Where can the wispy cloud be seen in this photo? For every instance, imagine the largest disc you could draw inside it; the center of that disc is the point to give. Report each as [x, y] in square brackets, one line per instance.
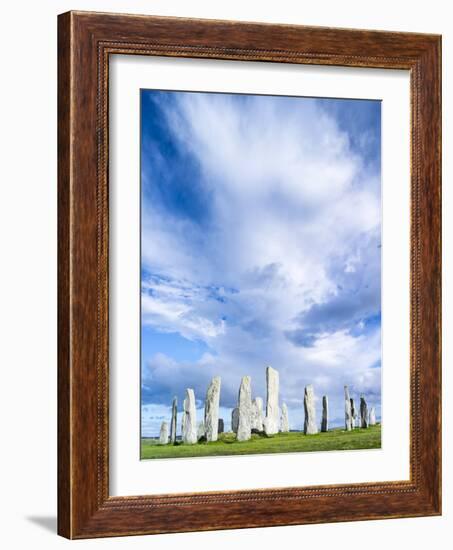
[176, 306]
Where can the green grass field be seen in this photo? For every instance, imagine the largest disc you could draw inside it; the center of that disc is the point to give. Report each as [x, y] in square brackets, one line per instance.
[293, 442]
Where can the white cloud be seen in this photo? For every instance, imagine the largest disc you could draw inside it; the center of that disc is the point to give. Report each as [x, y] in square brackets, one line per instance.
[173, 308]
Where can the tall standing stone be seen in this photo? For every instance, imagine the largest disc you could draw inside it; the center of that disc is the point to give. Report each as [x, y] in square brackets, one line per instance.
[174, 415]
[353, 414]
[325, 414]
[372, 416]
[310, 413]
[348, 420]
[211, 409]
[257, 414]
[221, 426]
[183, 418]
[284, 419]
[363, 413]
[272, 416]
[190, 422]
[163, 436]
[235, 420]
[245, 410]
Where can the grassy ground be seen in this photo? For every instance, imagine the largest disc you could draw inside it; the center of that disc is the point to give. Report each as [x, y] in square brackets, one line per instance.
[280, 443]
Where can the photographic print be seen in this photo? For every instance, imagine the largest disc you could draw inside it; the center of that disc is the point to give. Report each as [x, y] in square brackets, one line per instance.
[260, 274]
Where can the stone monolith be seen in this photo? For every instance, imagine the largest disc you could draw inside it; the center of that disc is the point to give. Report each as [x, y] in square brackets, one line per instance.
[363, 413]
[235, 420]
[190, 422]
[211, 409]
[309, 409]
[221, 426]
[284, 419]
[183, 418]
[163, 436]
[372, 416]
[272, 415]
[325, 414]
[174, 415]
[353, 414]
[348, 420]
[257, 414]
[245, 410]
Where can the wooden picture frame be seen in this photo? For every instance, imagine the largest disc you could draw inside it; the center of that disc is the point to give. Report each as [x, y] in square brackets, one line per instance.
[85, 42]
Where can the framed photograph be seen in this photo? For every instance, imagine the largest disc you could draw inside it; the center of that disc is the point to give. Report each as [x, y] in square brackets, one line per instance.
[249, 275]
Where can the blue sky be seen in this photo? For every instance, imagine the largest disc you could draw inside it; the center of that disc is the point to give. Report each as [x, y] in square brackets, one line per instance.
[261, 245]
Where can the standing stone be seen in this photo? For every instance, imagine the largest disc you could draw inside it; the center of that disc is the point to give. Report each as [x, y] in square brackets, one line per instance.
[174, 414]
[284, 420]
[235, 420]
[190, 422]
[183, 418]
[272, 417]
[372, 416]
[211, 409]
[257, 414]
[163, 436]
[221, 426]
[310, 413]
[348, 420]
[201, 432]
[245, 410]
[363, 413]
[325, 414]
[353, 414]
